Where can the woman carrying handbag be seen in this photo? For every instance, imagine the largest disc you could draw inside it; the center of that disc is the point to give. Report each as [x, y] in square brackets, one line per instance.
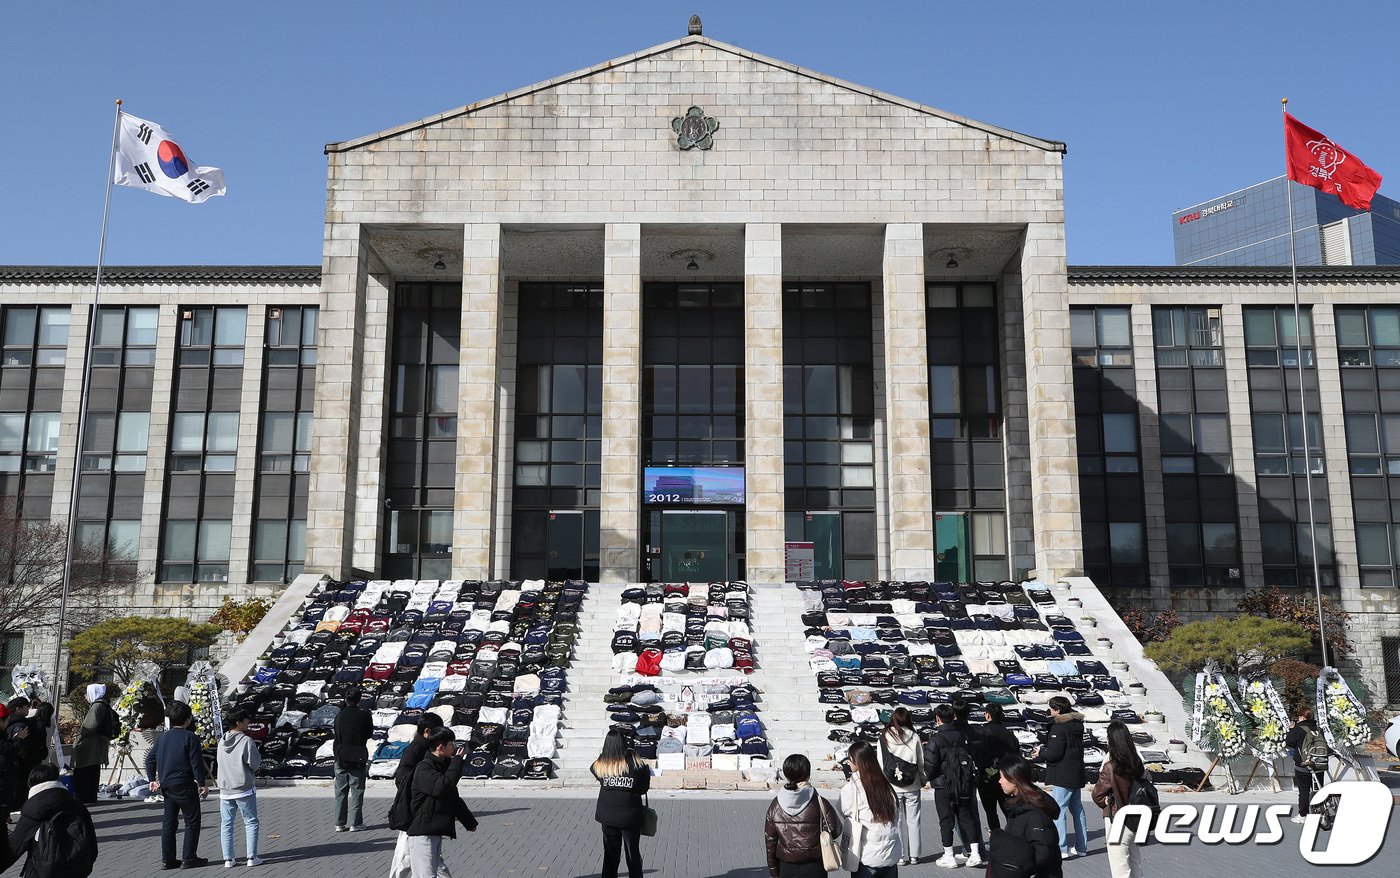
[873, 847]
[801, 831]
[622, 781]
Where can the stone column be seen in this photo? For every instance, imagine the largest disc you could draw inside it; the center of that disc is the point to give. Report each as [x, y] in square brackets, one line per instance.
[1242, 445]
[910, 486]
[73, 367]
[373, 407]
[506, 358]
[245, 474]
[475, 506]
[158, 438]
[763, 402]
[335, 427]
[878, 364]
[1334, 450]
[1020, 522]
[620, 499]
[1059, 547]
[1150, 450]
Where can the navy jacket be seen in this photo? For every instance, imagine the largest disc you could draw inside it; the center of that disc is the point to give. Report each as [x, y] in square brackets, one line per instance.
[177, 760]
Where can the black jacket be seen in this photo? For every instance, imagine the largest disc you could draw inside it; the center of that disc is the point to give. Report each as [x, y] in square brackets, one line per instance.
[1064, 752]
[620, 797]
[177, 760]
[436, 807]
[409, 759]
[353, 727]
[12, 772]
[997, 742]
[38, 810]
[1028, 844]
[943, 737]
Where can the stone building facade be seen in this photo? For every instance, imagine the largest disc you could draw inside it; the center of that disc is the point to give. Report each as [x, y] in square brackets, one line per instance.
[691, 313]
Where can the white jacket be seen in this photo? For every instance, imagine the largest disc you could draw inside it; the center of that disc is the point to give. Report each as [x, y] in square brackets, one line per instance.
[874, 844]
[907, 747]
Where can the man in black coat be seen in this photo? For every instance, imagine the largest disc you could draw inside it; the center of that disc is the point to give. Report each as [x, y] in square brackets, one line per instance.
[997, 743]
[400, 813]
[176, 768]
[434, 805]
[354, 726]
[13, 748]
[939, 752]
[1063, 754]
[49, 799]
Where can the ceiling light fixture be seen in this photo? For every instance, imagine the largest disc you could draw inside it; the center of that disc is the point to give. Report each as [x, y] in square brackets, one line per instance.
[952, 262]
[440, 265]
[692, 265]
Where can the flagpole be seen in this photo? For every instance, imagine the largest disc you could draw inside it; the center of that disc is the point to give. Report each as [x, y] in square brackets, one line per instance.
[1303, 397]
[69, 550]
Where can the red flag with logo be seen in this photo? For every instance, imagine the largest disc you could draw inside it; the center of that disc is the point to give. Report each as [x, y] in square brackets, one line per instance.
[1317, 161]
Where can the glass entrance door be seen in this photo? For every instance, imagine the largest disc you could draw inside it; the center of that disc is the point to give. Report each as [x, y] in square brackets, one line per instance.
[564, 545]
[823, 531]
[950, 547]
[694, 545]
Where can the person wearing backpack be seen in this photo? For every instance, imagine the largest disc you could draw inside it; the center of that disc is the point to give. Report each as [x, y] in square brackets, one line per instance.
[953, 772]
[622, 781]
[1121, 772]
[873, 847]
[176, 768]
[94, 739]
[1310, 757]
[997, 743]
[435, 805]
[794, 823]
[1063, 754]
[353, 728]
[54, 829]
[1029, 845]
[238, 760]
[399, 813]
[902, 758]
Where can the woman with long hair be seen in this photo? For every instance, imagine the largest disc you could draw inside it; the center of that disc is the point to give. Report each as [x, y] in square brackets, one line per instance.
[1029, 845]
[902, 758]
[1111, 791]
[868, 801]
[793, 826]
[622, 780]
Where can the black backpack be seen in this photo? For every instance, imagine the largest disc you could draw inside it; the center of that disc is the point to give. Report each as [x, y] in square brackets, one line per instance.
[900, 772]
[1144, 792]
[63, 848]
[959, 769]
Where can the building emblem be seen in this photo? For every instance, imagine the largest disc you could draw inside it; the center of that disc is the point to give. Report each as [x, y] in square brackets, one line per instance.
[1327, 156]
[695, 130]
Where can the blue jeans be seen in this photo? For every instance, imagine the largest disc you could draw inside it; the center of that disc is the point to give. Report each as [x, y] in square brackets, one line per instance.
[1071, 805]
[247, 808]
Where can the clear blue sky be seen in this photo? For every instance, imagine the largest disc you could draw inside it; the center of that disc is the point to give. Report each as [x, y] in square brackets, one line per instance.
[1162, 104]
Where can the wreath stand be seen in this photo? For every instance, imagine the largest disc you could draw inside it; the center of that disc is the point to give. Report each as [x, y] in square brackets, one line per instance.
[1232, 785]
[1270, 768]
[123, 756]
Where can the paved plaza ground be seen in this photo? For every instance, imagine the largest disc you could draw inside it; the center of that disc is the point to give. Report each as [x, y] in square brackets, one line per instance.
[551, 834]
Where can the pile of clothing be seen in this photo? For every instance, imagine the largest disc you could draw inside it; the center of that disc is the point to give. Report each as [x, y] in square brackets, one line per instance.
[674, 627]
[693, 724]
[490, 658]
[875, 646]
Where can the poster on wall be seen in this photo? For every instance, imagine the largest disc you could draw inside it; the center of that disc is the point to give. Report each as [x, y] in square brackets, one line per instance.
[693, 485]
[801, 560]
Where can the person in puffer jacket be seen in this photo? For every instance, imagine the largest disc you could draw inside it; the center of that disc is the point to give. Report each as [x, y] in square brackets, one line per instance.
[238, 760]
[1064, 772]
[868, 801]
[1028, 846]
[900, 748]
[793, 826]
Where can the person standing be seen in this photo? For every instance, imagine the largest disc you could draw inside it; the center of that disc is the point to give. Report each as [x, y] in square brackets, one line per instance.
[13, 746]
[997, 743]
[90, 748]
[1112, 791]
[1310, 756]
[399, 812]
[622, 781]
[792, 828]
[1028, 846]
[238, 760]
[902, 758]
[1064, 772]
[51, 805]
[953, 773]
[868, 802]
[353, 727]
[435, 806]
[175, 766]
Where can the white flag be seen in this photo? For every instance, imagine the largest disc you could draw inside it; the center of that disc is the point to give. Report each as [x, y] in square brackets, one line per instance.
[149, 158]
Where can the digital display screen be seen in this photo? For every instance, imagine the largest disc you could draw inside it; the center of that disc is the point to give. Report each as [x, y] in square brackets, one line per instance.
[693, 485]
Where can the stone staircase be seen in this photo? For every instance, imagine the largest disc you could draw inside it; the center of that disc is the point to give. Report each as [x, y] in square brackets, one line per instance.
[590, 676]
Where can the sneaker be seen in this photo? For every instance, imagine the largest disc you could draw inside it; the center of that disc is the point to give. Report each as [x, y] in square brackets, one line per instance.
[255, 861]
[170, 864]
[196, 863]
[357, 829]
[1298, 818]
[947, 861]
[903, 861]
[341, 828]
[975, 858]
[1069, 854]
[229, 864]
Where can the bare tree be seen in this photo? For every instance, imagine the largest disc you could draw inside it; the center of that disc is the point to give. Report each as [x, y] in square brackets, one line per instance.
[32, 556]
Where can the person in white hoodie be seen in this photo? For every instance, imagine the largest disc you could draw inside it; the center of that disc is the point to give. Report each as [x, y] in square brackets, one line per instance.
[868, 802]
[902, 758]
[238, 760]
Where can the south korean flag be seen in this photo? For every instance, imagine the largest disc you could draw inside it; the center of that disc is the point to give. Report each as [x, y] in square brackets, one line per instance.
[149, 158]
